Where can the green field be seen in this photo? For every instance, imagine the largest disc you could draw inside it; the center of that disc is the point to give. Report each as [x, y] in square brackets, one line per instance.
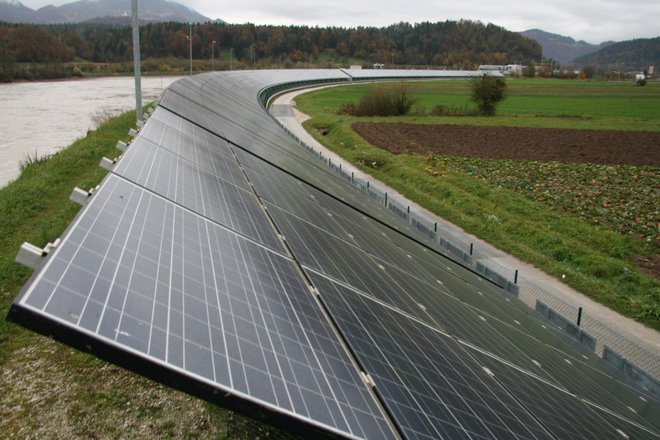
[595, 105]
[596, 224]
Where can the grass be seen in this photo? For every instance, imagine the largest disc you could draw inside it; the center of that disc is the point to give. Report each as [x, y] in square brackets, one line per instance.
[564, 219]
[50, 390]
[590, 105]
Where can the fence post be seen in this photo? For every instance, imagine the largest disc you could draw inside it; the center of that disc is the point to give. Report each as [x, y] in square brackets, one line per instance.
[579, 319]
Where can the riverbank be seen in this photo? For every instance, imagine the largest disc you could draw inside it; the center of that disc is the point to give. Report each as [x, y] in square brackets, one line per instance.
[40, 118]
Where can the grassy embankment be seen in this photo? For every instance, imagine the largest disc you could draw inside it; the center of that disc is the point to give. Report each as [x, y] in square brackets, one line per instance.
[49, 390]
[597, 224]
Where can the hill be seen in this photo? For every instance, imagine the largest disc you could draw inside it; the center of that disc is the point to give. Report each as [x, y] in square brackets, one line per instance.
[630, 55]
[456, 44]
[561, 48]
[13, 11]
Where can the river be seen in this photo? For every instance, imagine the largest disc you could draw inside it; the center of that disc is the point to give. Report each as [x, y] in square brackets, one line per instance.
[43, 117]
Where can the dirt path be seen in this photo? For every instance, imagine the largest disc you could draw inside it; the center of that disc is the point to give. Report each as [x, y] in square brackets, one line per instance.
[542, 144]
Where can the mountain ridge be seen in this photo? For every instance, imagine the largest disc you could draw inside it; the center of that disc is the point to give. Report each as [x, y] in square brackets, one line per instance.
[637, 54]
[562, 48]
[13, 11]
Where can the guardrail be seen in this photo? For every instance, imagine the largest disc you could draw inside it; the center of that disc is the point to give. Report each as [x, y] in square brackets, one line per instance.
[632, 358]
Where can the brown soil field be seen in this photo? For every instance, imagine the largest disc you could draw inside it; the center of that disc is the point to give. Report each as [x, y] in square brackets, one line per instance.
[539, 144]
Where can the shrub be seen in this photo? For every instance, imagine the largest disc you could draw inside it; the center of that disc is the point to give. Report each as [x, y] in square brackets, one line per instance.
[487, 92]
[381, 101]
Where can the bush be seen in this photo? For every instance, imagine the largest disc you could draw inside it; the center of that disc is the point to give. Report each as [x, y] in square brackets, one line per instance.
[381, 101]
[487, 92]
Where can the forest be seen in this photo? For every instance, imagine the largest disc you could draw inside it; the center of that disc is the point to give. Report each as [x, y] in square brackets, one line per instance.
[460, 44]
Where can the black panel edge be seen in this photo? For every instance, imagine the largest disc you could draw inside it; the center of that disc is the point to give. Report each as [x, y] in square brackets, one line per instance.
[134, 363]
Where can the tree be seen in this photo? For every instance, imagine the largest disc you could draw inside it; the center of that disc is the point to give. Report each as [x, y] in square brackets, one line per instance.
[487, 92]
[588, 71]
[529, 71]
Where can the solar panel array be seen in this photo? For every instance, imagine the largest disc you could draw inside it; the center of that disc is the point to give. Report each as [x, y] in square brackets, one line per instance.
[221, 259]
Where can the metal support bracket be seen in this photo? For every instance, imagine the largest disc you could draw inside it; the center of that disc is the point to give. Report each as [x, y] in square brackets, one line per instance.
[108, 164]
[32, 256]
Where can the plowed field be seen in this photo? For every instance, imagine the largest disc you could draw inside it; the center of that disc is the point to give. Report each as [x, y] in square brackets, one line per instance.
[540, 144]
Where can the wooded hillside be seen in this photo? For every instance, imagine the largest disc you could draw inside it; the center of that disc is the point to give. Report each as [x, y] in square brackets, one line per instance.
[628, 55]
[456, 44]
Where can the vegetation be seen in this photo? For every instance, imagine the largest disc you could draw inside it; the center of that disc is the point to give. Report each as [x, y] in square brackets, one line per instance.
[627, 55]
[381, 101]
[74, 394]
[487, 92]
[463, 44]
[564, 219]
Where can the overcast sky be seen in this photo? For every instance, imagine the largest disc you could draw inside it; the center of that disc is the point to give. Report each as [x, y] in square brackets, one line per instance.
[594, 21]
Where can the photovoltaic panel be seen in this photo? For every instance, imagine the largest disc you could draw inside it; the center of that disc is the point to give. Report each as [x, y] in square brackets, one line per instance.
[140, 274]
[221, 258]
[433, 388]
[196, 145]
[565, 414]
[279, 187]
[208, 194]
[326, 248]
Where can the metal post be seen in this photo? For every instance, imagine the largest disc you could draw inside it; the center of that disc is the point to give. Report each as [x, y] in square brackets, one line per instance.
[190, 46]
[231, 52]
[515, 277]
[213, 56]
[579, 320]
[471, 248]
[136, 61]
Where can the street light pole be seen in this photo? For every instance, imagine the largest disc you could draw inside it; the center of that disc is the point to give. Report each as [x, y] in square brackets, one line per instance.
[190, 47]
[213, 55]
[136, 61]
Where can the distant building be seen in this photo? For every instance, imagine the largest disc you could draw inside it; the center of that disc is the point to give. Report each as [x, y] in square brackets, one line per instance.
[379, 66]
[355, 67]
[509, 69]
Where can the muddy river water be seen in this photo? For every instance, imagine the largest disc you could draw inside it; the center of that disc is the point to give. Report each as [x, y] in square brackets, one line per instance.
[43, 117]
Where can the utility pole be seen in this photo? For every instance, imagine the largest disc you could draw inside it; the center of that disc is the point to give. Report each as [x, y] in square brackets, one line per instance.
[190, 48]
[213, 55]
[136, 61]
